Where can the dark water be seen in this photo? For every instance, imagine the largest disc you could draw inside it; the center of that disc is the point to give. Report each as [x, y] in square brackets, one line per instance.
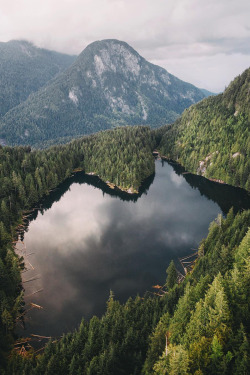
[88, 239]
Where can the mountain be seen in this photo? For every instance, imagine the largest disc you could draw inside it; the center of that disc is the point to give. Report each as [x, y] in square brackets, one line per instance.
[207, 93]
[109, 84]
[212, 137]
[25, 68]
[198, 322]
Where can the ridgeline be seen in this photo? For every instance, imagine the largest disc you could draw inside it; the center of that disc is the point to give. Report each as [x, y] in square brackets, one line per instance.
[212, 137]
[200, 325]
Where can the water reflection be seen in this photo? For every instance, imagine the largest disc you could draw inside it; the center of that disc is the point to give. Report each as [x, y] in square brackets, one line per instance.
[225, 196]
[86, 242]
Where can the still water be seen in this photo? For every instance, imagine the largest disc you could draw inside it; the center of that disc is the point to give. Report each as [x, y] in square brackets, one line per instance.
[86, 240]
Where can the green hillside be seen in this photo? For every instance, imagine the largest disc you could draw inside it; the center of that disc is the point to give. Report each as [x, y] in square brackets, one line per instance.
[200, 324]
[24, 69]
[205, 320]
[212, 138]
[26, 176]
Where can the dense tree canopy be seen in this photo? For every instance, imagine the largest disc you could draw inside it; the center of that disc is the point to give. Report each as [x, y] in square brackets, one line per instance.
[24, 69]
[212, 137]
[199, 325]
[122, 156]
[204, 319]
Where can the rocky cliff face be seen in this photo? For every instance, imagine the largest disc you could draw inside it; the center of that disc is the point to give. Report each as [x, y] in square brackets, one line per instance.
[133, 86]
[109, 84]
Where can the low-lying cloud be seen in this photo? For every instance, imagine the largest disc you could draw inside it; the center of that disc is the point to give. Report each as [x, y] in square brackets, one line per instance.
[162, 31]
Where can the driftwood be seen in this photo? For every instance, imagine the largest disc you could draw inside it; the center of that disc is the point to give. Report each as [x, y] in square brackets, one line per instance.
[39, 350]
[157, 286]
[30, 264]
[187, 265]
[32, 279]
[22, 341]
[161, 290]
[37, 291]
[40, 337]
[180, 277]
[35, 306]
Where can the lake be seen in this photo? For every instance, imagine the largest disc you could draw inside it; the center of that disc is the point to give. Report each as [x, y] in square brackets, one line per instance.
[86, 239]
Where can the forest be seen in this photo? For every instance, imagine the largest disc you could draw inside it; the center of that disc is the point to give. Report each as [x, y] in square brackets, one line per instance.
[26, 176]
[204, 318]
[211, 138]
[199, 324]
[24, 69]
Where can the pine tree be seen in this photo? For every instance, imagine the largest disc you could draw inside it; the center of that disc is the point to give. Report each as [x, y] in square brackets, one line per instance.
[171, 275]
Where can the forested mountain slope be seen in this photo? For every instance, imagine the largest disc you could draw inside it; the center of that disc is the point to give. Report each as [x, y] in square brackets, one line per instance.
[212, 138]
[205, 317]
[26, 176]
[25, 68]
[208, 332]
[205, 320]
[109, 84]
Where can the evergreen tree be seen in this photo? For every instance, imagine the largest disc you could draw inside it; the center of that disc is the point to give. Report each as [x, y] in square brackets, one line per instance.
[171, 275]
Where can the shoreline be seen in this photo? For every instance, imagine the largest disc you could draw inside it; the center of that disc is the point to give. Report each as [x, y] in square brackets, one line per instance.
[218, 181]
[113, 186]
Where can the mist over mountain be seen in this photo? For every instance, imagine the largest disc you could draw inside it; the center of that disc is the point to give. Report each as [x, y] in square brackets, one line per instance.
[25, 68]
[108, 85]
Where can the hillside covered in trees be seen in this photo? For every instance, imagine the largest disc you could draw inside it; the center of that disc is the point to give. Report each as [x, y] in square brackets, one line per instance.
[212, 137]
[24, 69]
[205, 318]
[26, 176]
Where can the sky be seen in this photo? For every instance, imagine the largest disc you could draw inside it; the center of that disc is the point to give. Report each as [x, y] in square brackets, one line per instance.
[206, 43]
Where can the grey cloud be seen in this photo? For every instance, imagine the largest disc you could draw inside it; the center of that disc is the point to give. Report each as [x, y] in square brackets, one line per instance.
[159, 30]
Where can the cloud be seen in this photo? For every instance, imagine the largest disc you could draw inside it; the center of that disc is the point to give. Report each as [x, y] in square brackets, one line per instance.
[160, 30]
[213, 73]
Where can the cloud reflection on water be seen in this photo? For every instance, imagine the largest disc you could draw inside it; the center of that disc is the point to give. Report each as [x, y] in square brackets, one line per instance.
[87, 244]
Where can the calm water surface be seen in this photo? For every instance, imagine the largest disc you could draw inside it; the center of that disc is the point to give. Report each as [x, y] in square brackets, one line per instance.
[86, 242]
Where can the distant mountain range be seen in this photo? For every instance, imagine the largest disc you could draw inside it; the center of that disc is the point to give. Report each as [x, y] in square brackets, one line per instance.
[208, 93]
[109, 84]
[25, 68]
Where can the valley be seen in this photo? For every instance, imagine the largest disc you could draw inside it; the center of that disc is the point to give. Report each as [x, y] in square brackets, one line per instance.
[105, 220]
[96, 242]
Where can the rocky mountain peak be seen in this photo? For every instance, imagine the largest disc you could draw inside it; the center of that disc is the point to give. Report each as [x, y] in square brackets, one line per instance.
[109, 84]
[117, 57]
